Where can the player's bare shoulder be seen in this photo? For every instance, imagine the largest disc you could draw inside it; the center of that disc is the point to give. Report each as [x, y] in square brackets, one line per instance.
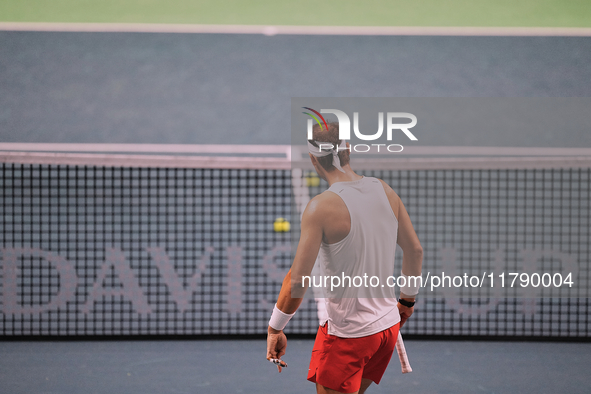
[326, 204]
[393, 197]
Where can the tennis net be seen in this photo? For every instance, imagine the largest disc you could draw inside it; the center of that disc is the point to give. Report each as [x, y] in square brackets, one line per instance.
[104, 243]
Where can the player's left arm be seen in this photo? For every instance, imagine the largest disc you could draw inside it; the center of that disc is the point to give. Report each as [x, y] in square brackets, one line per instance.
[294, 286]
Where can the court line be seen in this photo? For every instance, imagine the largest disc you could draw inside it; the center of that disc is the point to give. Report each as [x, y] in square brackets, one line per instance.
[298, 30]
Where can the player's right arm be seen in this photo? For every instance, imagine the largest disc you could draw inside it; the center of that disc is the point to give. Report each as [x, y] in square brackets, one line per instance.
[407, 237]
[412, 257]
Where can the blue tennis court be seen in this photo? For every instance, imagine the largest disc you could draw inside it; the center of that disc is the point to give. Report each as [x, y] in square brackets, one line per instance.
[239, 366]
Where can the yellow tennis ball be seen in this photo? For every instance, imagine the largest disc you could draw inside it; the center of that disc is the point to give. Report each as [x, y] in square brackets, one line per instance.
[281, 225]
[312, 180]
[286, 226]
[278, 225]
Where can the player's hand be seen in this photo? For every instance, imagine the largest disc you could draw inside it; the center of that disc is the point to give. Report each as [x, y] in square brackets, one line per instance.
[276, 345]
[405, 313]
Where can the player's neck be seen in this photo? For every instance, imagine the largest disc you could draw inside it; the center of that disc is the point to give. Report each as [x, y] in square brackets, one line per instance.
[338, 176]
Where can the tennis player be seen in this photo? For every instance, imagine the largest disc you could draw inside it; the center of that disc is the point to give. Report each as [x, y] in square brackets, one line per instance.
[352, 228]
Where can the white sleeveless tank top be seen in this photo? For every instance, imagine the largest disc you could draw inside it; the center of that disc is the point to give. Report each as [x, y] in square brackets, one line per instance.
[368, 250]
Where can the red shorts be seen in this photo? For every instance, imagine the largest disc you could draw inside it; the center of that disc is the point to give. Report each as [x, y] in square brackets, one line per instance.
[340, 363]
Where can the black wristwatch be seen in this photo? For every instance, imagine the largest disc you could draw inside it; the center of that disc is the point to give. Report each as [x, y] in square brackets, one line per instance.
[408, 304]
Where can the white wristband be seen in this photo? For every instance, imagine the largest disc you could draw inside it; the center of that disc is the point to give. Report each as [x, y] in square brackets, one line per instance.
[279, 319]
[411, 286]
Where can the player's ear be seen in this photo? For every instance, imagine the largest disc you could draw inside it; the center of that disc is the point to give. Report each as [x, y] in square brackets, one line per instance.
[314, 160]
[317, 166]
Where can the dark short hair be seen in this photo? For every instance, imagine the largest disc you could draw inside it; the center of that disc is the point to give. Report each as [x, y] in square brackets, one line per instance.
[330, 136]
